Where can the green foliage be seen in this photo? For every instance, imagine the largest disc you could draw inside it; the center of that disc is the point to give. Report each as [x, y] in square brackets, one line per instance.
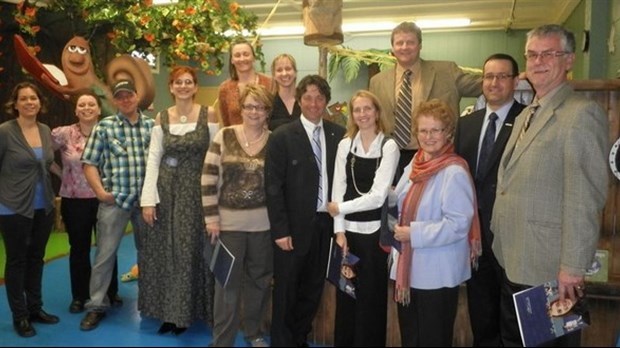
[349, 61]
[196, 30]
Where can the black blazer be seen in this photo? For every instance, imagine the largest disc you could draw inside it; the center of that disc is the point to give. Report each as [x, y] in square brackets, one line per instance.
[466, 141]
[292, 180]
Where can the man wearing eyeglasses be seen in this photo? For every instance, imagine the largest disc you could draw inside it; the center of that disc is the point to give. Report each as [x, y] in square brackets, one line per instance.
[480, 138]
[551, 184]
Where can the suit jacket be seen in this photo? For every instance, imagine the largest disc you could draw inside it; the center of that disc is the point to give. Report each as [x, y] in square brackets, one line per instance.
[466, 140]
[292, 180]
[440, 79]
[551, 190]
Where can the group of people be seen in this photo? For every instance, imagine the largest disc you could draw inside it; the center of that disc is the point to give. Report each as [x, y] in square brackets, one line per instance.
[502, 199]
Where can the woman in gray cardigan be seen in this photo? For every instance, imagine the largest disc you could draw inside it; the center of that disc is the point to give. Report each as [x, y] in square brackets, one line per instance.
[26, 205]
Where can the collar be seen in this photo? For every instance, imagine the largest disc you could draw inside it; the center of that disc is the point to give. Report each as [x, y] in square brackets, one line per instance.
[501, 112]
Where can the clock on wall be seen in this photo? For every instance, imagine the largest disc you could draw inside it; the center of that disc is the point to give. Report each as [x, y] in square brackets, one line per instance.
[585, 41]
[614, 159]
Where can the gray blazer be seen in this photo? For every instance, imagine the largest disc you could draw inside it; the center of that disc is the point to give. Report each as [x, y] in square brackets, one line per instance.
[551, 190]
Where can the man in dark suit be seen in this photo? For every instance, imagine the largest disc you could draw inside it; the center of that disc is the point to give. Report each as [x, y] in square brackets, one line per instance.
[428, 79]
[299, 167]
[500, 78]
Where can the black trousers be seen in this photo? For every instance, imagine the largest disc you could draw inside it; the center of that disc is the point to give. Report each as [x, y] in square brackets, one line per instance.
[483, 300]
[80, 218]
[25, 240]
[428, 321]
[361, 322]
[511, 337]
[298, 281]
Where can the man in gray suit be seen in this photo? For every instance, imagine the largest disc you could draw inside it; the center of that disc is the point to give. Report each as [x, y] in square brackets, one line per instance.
[551, 185]
[428, 79]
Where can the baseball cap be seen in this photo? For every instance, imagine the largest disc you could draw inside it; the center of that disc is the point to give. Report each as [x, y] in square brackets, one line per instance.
[123, 85]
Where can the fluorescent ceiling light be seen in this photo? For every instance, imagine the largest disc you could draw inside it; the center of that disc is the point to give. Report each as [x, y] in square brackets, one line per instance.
[361, 27]
[443, 23]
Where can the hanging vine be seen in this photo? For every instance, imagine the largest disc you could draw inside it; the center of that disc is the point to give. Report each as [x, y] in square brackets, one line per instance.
[349, 61]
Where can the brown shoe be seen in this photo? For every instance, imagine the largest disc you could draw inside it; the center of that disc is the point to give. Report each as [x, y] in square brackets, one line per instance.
[91, 320]
[42, 317]
[24, 328]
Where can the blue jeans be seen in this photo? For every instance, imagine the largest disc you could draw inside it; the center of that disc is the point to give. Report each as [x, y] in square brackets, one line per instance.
[111, 224]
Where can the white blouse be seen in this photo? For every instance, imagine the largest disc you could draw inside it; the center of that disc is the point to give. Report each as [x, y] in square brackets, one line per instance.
[150, 196]
[382, 182]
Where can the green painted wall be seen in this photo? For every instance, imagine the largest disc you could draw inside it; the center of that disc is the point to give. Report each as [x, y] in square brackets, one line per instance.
[468, 49]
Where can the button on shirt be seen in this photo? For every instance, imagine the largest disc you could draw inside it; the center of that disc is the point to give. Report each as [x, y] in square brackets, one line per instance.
[119, 150]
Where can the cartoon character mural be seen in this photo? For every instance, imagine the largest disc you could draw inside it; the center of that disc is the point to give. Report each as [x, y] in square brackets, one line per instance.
[78, 72]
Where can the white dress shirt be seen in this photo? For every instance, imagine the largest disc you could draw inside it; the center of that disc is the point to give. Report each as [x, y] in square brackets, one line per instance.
[374, 198]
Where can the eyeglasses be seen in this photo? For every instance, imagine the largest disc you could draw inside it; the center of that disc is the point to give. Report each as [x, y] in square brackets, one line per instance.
[546, 55]
[363, 109]
[499, 77]
[430, 132]
[181, 82]
[250, 107]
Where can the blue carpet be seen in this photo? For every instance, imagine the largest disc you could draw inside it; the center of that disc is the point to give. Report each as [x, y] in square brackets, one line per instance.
[122, 327]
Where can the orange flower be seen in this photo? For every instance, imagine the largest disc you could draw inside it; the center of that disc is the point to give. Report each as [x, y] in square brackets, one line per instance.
[179, 39]
[147, 2]
[190, 11]
[149, 37]
[233, 7]
[31, 11]
[34, 50]
[144, 20]
[215, 4]
[35, 29]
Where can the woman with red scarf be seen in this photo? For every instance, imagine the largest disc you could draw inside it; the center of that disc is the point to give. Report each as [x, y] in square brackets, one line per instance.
[438, 228]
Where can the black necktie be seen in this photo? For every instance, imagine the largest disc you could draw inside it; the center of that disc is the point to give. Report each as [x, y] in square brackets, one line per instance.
[487, 146]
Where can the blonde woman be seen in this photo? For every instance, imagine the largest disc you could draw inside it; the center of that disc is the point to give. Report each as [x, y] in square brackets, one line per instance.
[285, 106]
[233, 198]
[365, 164]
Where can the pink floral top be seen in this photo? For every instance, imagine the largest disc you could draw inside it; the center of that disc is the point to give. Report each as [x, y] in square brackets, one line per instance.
[70, 141]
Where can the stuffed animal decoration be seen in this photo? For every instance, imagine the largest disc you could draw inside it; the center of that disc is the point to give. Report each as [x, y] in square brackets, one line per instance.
[78, 72]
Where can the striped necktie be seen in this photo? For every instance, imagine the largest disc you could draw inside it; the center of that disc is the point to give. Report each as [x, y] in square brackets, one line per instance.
[528, 120]
[316, 148]
[402, 125]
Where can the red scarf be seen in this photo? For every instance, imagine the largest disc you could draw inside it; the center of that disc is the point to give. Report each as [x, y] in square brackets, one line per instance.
[421, 172]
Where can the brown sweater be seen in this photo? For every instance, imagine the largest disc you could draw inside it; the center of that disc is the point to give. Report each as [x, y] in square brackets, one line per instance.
[230, 109]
